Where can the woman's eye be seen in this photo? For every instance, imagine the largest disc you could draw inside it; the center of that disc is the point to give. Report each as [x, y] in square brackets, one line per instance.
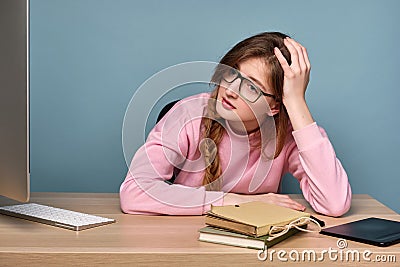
[253, 88]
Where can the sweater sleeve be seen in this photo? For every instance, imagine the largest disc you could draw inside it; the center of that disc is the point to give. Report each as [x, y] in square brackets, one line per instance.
[144, 190]
[323, 180]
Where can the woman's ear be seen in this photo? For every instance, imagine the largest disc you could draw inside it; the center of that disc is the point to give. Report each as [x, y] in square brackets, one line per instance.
[275, 106]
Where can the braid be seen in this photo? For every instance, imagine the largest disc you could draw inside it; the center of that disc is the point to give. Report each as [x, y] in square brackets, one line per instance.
[212, 134]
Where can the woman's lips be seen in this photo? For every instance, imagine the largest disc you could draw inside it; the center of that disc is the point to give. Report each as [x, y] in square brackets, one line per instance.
[226, 104]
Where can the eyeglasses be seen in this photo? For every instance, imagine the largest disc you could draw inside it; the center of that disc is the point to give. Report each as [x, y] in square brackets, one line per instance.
[247, 89]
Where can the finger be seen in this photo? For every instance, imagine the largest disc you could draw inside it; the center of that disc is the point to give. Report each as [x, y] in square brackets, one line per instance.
[282, 60]
[303, 52]
[301, 57]
[307, 60]
[295, 204]
[286, 201]
[291, 205]
[293, 53]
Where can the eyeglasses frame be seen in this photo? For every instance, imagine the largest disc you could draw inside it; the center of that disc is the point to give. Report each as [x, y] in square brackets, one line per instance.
[240, 76]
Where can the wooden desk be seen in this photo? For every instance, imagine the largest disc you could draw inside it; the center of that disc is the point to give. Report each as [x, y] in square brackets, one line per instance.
[159, 240]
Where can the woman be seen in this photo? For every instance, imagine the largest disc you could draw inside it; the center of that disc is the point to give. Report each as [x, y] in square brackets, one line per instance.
[233, 145]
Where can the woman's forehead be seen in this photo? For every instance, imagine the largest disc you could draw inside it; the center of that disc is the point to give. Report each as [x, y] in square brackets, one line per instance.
[255, 69]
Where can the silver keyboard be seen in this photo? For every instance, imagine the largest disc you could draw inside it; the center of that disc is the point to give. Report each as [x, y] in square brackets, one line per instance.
[55, 216]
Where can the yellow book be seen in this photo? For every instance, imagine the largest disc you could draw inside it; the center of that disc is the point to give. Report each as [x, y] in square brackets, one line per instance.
[252, 218]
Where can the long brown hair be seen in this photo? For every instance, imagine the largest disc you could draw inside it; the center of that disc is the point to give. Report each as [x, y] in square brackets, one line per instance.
[258, 46]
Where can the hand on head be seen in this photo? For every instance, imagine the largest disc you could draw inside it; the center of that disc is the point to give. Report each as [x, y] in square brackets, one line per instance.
[297, 74]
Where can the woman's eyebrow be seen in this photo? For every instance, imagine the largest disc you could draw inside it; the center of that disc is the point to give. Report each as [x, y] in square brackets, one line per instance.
[258, 83]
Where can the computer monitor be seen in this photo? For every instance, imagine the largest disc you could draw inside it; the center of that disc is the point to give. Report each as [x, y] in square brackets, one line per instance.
[14, 99]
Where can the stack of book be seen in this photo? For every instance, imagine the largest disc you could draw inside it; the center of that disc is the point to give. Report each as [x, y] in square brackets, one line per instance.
[249, 224]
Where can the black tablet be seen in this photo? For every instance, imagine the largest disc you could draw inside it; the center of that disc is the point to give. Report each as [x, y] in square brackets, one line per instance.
[374, 231]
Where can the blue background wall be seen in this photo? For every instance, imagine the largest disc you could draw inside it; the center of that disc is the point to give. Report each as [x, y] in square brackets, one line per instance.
[89, 56]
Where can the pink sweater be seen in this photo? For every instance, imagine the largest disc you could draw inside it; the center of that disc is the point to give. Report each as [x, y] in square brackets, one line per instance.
[173, 145]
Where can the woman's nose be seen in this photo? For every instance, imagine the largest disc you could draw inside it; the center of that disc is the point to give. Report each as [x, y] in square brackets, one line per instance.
[233, 89]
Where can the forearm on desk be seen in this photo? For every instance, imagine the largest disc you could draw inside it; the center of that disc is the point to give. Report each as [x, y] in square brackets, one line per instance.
[322, 178]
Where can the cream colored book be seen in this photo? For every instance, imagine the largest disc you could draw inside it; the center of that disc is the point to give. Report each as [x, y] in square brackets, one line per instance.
[252, 218]
[225, 237]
